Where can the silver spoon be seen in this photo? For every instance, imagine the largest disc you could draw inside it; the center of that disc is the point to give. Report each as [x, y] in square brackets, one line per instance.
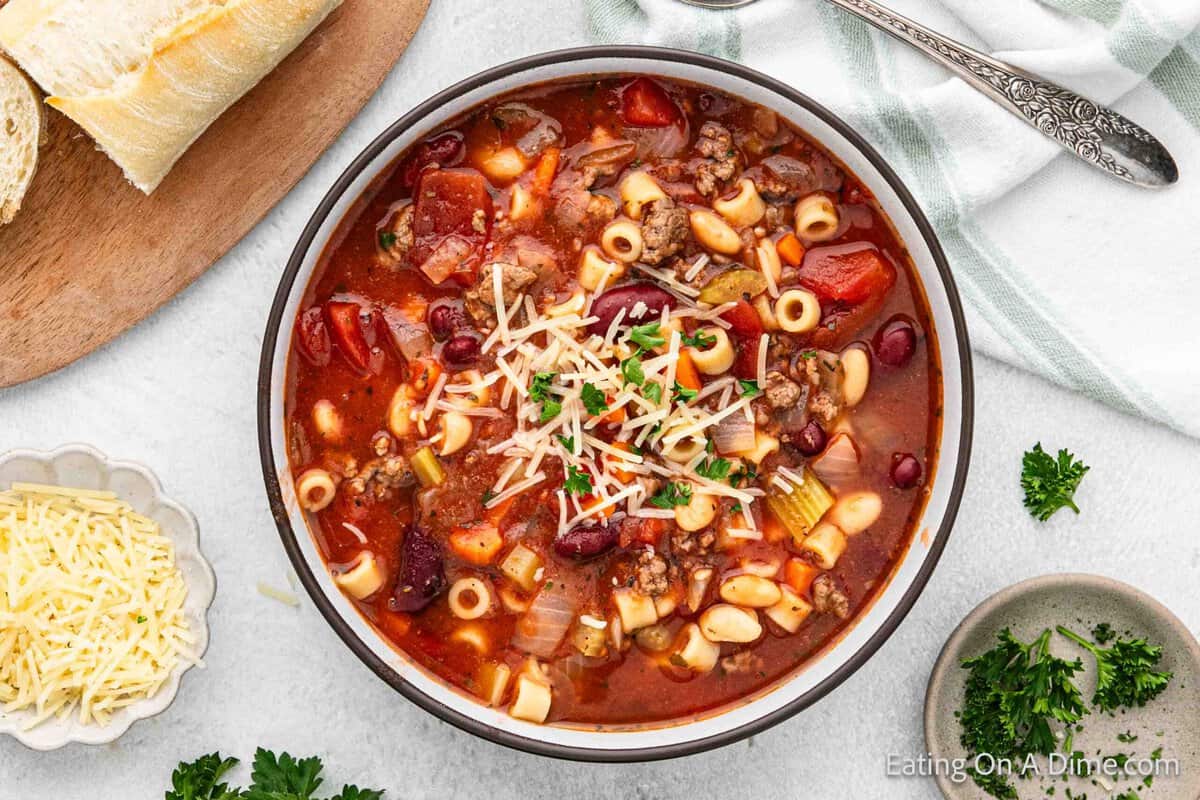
[1098, 135]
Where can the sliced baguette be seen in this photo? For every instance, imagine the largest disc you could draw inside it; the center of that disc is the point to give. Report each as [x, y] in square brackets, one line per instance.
[146, 91]
[20, 134]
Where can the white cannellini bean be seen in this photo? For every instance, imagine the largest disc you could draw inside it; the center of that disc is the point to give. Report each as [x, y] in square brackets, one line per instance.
[750, 591]
[726, 623]
[856, 369]
[326, 418]
[857, 511]
[714, 233]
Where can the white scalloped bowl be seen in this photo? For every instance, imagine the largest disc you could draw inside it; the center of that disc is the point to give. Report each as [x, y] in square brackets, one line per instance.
[80, 466]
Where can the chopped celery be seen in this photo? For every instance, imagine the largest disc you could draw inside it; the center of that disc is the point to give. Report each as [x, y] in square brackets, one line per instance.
[427, 468]
[733, 285]
[800, 509]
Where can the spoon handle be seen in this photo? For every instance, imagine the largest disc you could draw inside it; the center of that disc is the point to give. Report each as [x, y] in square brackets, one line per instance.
[1098, 135]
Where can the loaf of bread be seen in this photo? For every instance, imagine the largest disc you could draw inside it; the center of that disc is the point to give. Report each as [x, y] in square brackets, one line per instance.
[146, 77]
[20, 134]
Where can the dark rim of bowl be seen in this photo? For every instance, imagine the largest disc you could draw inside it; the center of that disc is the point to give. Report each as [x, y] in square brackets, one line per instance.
[266, 401]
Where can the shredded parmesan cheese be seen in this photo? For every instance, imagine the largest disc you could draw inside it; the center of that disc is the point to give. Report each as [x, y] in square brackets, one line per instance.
[91, 604]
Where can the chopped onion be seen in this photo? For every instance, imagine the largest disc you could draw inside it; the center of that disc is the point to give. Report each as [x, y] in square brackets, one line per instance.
[543, 626]
[734, 434]
[413, 341]
[839, 463]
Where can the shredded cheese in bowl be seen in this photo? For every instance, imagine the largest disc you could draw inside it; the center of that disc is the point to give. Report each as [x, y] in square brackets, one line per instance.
[91, 605]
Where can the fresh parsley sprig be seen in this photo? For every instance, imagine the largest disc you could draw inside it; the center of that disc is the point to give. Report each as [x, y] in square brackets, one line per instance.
[1125, 674]
[700, 340]
[578, 482]
[646, 337]
[539, 392]
[671, 495]
[594, 400]
[272, 778]
[1050, 483]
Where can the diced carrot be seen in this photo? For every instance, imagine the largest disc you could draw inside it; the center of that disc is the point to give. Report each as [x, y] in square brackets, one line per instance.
[588, 502]
[543, 174]
[773, 529]
[622, 475]
[799, 575]
[423, 374]
[686, 374]
[790, 249]
[495, 515]
[477, 544]
[616, 416]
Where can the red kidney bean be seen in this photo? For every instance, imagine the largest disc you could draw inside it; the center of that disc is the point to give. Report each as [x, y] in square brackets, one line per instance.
[446, 319]
[444, 150]
[906, 470]
[461, 351]
[811, 439]
[586, 540]
[609, 304]
[422, 574]
[896, 341]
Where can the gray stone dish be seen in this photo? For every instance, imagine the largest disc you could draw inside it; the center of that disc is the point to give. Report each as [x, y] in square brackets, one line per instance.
[1079, 602]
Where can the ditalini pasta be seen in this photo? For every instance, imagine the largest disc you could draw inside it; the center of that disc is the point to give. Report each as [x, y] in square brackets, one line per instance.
[91, 604]
[583, 407]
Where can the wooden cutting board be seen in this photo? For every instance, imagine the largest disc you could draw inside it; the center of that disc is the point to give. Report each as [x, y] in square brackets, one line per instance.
[88, 256]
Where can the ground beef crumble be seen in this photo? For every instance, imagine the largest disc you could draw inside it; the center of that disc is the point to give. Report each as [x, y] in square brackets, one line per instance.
[716, 145]
[665, 228]
[827, 599]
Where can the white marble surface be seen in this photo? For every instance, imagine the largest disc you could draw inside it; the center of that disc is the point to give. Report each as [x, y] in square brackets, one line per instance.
[178, 393]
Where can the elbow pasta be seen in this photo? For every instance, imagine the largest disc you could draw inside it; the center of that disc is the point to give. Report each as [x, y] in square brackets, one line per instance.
[714, 233]
[315, 489]
[596, 272]
[826, 543]
[798, 311]
[456, 429]
[718, 357]
[362, 580]
[699, 512]
[766, 313]
[817, 218]
[767, 257]
[637, 190]
[622, 241]
[470, 598]
[745, 208]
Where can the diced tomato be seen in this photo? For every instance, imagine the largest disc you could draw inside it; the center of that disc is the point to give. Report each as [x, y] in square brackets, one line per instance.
[477, 544]
[444, 150]
[452, 219]
[646, 104]
[641, 531]
[746, 327]
[312, 336]
[849, 274]
[346, 325]
[744, 321]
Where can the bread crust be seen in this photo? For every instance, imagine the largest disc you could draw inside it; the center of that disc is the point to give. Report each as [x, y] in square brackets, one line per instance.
[29, 134]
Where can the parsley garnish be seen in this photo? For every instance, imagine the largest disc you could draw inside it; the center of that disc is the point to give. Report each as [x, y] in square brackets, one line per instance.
[272, 778]
[568, 442]
[631, 371]
[682, 394]
[652, 391]
[744, 474]
[141, 620]
[1050, 483]
[487, 496]
[539, 392]
[699, 340]
[715, 469]
[594, 400]
[577, 482]
[1125, 673]
[671, 495]
[646, 337]
[749, 388]
[387, 239]
[1013, 694]
[1103, 633]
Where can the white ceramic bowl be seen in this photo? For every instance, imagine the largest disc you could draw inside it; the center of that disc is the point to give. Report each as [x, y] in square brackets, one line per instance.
[79, 466]
[815, 678]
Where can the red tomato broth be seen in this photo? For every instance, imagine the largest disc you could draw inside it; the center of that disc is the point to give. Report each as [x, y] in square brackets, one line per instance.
[901, 412]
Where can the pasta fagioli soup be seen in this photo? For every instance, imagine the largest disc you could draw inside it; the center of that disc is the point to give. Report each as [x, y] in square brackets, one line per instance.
[614, 401]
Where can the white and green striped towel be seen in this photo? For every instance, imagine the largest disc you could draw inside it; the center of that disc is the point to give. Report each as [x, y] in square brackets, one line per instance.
[1082, 279]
